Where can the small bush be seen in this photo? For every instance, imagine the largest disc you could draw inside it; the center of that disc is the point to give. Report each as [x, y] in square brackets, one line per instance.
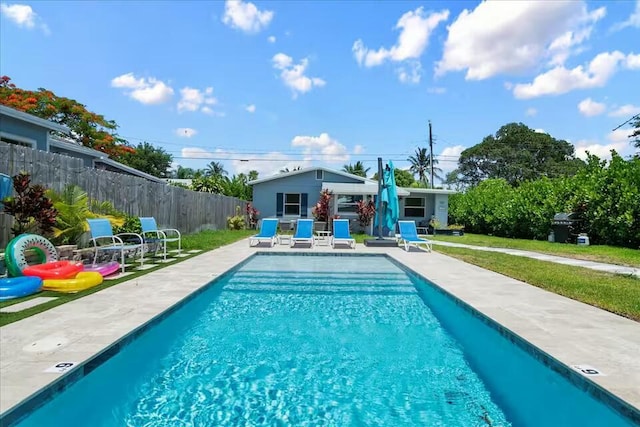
[236, 222]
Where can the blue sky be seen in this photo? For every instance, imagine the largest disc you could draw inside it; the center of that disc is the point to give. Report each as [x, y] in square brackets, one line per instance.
[285, 84]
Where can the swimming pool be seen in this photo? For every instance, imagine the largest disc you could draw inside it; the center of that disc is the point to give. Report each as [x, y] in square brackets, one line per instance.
[323, 340]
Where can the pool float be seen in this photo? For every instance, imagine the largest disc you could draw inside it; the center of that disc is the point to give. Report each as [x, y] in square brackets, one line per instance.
[15, 254]
[16, 287]
[82, 281]
[54, 270]
[104, 269]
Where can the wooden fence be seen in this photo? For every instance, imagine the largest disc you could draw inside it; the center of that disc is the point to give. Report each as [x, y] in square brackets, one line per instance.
[173, 207]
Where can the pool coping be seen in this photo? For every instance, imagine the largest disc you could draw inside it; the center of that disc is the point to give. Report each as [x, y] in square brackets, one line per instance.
[41, 395]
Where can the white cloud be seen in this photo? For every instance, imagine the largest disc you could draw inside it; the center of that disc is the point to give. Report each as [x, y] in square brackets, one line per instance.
[271, 39]
[531, 112]
[540, 130]
[561, 80]
[147, 91]
[448, 158]
[23, 16]
[514, 36]
[415, 28]
[358, 149]
[617, 140]
[245, 16]
[589, 108]
[437, 90]
[411, 73]
[292, 75]
[632, 21]
[322, 148]
[266, 164]
[251, 108]
[627, 110]
[192, 99]
[211, 112]
[186, 132]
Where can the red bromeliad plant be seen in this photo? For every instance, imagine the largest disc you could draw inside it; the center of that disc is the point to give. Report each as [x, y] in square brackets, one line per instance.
[321, 210]
[30, 208]
[252, 215]
[366, 210]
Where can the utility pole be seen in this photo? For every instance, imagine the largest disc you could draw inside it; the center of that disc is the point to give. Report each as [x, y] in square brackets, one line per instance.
[431, 151]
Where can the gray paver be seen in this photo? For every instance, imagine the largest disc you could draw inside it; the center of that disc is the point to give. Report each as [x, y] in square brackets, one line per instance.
[570, 331]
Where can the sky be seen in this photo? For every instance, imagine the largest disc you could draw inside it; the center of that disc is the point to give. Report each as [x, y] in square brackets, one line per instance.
[268, 85]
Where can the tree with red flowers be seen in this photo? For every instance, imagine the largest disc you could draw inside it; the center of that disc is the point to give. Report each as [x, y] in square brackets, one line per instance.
[87, 128]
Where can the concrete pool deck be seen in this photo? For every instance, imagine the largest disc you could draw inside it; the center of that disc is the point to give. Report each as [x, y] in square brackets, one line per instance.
[572, 332]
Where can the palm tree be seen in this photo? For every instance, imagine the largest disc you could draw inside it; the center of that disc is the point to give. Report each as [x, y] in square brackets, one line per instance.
[215, 169]
[421, 166]
[184, 173]
[356, 169]
[253, 175]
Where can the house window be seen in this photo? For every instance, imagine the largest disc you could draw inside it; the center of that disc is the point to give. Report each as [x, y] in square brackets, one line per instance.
[414, 207]
[292, 204]
[348, 203]
[319, 174]
[17, 140]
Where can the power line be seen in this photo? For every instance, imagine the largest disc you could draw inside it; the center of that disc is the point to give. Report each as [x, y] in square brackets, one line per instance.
[619, 126]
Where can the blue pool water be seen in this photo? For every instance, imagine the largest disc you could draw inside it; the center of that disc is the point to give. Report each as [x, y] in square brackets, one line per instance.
[322, 341]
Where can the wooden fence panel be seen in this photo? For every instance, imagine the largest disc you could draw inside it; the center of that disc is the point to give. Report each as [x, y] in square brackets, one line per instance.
[173, 207]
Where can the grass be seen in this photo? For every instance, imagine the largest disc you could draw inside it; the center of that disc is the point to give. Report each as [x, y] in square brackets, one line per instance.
[205, 240]
[618, 294]
[599, 253]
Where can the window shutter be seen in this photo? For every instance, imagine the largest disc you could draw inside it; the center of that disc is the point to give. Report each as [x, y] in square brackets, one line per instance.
[279, 204]
[303, 205]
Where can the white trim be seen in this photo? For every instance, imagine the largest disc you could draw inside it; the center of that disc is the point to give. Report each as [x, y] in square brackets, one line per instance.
[310, 169]
[10, 136]
[423, 207]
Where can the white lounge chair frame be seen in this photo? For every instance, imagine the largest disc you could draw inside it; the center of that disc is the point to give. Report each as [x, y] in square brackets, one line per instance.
[412, 239]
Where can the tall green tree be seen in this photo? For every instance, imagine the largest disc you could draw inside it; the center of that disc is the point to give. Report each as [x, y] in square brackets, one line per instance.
[253, 175]
[517, 153]
[403, 178]
[87, 128]
[184, 173]
[421, 166]
[635, 135]
[356, 169]
[147, 158]
[215, 169]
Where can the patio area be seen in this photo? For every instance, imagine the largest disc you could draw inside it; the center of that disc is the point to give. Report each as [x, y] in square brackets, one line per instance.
[569, 331]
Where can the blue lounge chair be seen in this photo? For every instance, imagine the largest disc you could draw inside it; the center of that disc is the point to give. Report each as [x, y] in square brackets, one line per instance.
[409, 236]
[341, 233]
[151, 234]
[304, 232]
[268, 230]
[103, 239]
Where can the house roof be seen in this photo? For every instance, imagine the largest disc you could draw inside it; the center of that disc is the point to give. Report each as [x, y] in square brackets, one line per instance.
[429, 190]
[351, 189]
[35, 120]
[73, 146]
[129, 169]
[100, 157]
[305, 170]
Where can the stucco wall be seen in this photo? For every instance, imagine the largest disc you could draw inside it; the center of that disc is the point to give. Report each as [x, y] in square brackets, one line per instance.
[264, 194]
[24, 129]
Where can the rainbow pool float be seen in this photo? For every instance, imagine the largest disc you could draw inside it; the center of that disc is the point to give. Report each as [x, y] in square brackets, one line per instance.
[54, 275]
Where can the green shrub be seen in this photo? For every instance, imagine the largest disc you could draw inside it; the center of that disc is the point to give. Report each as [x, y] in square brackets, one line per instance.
[236, 222]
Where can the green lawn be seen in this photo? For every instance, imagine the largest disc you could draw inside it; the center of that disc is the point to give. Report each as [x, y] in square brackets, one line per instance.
[599, 253]
[205, 240]
[615, 293]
